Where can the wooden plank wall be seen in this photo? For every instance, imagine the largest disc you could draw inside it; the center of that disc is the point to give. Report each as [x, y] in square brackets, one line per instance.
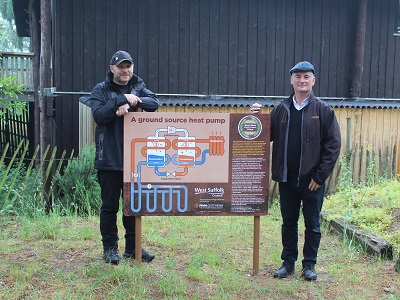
[381, 74]
[87, 127]
[219, 47]
[370, 138]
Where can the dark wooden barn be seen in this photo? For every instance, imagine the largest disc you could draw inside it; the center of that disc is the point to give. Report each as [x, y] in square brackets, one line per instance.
[207, 49]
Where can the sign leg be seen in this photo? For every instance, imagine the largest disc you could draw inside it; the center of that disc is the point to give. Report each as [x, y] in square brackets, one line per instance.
[256, 246]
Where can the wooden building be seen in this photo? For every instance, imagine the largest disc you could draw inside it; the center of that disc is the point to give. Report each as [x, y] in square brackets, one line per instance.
[225, 54]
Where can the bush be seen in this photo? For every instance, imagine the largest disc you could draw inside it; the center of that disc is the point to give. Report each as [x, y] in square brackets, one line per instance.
[19, 193]
[9, 90]
[20, 185]
[78, 188]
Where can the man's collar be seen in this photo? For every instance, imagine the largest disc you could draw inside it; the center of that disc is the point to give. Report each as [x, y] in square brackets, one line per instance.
[303, 103]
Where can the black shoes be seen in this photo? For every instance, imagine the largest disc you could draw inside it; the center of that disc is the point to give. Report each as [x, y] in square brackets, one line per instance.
[146, 256]
[111, 256]
[309, 273]
[284, 271]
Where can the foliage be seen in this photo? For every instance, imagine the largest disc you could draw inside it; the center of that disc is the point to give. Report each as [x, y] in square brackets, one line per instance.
[20, 185]
[22, 196]
[75, 189]
[79, 190]
[9, 86]
[9, 90]
[6, 10]
[370, 207]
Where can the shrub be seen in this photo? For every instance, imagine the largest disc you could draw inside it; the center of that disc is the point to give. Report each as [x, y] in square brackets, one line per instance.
[78, 188]
[20, 185]
[23, 197]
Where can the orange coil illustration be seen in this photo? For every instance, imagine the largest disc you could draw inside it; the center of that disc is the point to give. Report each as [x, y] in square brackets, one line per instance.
[216, 144]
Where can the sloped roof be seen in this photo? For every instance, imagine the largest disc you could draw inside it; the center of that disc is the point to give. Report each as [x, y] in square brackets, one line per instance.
[246, 101]
[21, 16]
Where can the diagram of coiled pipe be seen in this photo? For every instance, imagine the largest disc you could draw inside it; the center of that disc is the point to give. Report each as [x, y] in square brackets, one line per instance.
[154, 152]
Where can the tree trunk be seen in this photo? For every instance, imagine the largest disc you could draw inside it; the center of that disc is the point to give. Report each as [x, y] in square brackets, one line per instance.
[45, 82]
[35, 48]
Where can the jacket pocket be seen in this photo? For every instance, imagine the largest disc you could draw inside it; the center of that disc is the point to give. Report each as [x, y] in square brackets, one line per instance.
[311, 130]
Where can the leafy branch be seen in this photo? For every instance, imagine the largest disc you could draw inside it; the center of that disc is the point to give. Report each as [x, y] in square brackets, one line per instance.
[9, 90]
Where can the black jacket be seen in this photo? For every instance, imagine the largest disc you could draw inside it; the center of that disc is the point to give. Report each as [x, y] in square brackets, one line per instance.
[104, 100]
[320, 140]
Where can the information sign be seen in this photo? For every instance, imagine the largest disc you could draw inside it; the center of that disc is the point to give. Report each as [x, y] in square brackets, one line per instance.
[196, 164]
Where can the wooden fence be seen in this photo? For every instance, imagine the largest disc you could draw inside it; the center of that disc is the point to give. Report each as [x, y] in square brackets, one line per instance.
[370, 139]
[19, 64]
[17, 128]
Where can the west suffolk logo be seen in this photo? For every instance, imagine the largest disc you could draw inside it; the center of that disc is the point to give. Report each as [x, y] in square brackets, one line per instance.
[214, 192]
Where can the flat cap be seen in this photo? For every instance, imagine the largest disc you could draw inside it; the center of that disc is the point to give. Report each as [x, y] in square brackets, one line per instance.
[302, 66]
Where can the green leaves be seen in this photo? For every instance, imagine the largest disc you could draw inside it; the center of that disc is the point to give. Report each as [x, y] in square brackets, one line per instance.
[9, 86]
[9, 91]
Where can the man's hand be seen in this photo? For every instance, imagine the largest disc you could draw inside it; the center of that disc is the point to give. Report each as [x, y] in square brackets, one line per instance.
[122, 110]
[132, 99]
[313, 186]
[255, 108]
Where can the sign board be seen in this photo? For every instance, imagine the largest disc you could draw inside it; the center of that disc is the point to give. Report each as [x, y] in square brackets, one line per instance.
[196, 164]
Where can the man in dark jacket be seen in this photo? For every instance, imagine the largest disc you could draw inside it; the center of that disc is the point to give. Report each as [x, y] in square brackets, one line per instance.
[306, 144]
[120, 93]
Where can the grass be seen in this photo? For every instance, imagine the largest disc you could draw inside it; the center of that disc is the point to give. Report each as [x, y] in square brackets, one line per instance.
[58, 257]
[375, 209]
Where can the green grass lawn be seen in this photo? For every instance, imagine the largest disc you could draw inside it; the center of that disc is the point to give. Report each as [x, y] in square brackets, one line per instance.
[53, 257]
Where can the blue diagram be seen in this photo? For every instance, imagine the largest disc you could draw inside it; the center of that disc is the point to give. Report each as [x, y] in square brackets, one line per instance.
[154, 155]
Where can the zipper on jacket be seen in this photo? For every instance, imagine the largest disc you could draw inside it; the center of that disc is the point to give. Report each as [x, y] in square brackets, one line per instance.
[285, 166]
[101, 142]
[301, 147]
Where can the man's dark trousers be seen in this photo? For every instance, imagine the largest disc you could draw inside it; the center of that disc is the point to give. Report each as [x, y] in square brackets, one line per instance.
[291, 198]
[111, 183]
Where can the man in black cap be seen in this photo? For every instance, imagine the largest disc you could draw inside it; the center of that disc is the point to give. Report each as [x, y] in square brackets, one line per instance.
[306, 144]
[110, 100]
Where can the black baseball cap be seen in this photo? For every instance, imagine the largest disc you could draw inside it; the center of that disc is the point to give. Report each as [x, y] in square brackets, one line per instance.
[119, 57]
